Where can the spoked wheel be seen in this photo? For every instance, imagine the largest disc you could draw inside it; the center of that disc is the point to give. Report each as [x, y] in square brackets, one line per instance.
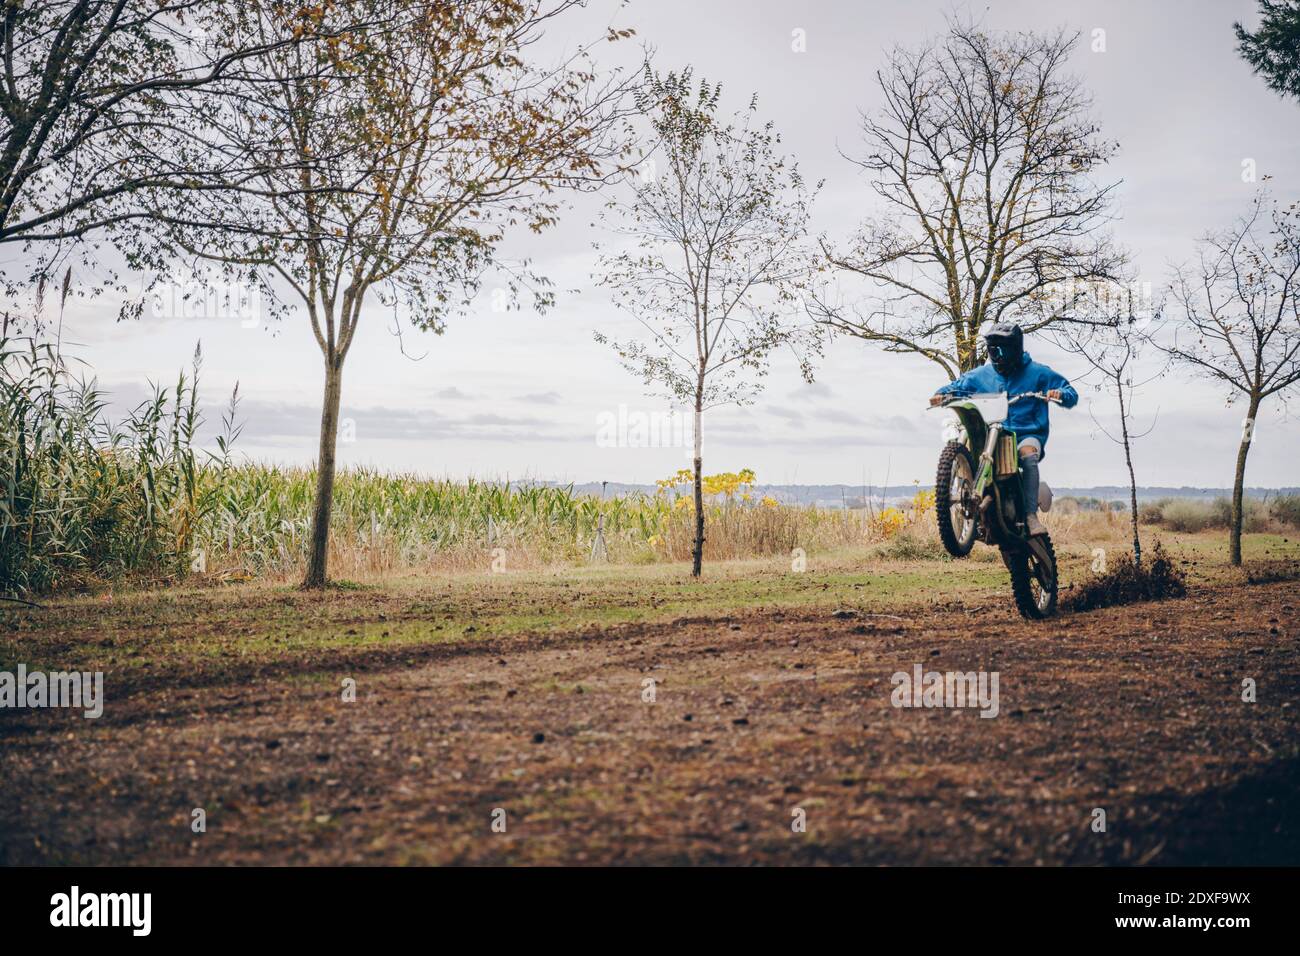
[1033, 577]
[952, 485]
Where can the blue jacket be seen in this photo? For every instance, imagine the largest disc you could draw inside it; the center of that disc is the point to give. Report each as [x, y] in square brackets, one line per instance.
[1028, 418]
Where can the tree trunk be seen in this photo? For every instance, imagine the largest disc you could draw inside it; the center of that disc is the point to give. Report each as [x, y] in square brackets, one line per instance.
[967, 347]
[1239, 482]
[697, 554]
[1132, 478]
[329, 426]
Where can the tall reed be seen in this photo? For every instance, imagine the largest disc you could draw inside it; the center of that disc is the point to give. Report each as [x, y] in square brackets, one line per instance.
[84, 499]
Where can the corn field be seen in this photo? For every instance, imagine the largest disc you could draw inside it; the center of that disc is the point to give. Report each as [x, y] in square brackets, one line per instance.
[87, 501]
[382, 522]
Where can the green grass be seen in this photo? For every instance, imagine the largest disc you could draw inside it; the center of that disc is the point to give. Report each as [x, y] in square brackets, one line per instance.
[254, 621]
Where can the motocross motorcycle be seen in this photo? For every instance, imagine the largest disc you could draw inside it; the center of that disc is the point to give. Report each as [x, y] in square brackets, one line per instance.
[981, 497]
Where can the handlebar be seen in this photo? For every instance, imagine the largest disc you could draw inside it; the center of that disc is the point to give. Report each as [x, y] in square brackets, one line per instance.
[1043, 395]
[949, 399]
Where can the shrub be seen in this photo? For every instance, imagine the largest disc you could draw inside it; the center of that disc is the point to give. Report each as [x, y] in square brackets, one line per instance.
[1153, 512]
[1186, 515]
[1286, 509]
[1254, 514]
[1190, 515]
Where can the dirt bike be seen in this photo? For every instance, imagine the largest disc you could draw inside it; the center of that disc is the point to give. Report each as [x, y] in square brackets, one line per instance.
[983, 498]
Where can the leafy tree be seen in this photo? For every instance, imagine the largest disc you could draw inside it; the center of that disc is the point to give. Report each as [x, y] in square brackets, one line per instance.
[716, 217]
[103, 100]
[984, 154]
[394, 159]
[1273, 50]
[1240, 319]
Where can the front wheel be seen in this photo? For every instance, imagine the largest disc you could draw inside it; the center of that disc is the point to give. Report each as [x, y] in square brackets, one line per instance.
[1033, 577]
[952, 487]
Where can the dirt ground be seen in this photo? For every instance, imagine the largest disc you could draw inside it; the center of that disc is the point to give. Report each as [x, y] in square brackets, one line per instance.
[1136, 711]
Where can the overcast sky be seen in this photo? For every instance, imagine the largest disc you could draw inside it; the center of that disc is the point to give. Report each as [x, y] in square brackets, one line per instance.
[522, 395]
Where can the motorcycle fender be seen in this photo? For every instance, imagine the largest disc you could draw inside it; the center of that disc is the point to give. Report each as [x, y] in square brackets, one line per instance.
[1005, 531]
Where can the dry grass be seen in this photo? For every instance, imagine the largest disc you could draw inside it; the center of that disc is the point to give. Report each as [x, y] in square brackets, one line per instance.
[638, 531]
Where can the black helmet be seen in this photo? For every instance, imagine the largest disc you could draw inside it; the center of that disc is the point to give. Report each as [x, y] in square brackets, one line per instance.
[1006, 344]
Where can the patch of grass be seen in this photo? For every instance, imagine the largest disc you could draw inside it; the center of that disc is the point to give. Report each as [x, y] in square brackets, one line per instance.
[914, 547]
[1125, 582]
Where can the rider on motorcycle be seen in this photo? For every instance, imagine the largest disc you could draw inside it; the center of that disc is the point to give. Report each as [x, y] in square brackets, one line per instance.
[1011, 370]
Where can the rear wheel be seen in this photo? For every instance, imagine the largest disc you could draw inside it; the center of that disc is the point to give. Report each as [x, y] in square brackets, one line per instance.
[952, 485]
[1033, 578]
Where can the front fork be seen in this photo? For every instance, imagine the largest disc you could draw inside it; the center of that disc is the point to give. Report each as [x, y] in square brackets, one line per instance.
[985, 468]
[985, 479]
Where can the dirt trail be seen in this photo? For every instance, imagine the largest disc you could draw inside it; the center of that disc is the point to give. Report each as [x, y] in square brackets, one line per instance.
[1136, 711]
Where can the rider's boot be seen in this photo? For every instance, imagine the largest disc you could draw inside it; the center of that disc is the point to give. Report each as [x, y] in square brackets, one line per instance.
[1034, 525]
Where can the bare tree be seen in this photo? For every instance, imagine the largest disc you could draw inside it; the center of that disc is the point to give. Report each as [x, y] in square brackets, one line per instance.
[717, 217]
[413, 141]
[1115, 352]
[984, 154]
[1240, 319]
